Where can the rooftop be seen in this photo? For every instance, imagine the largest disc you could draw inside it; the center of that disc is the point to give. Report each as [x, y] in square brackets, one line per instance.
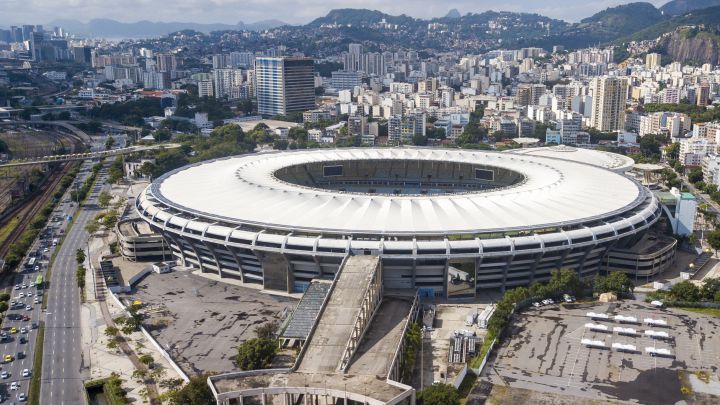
[245, 190]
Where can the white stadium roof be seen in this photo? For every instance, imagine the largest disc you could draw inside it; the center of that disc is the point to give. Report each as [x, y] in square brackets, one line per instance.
[243, 190]
[608, 160]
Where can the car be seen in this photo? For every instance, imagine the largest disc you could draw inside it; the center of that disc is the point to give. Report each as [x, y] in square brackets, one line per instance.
[14, 386]
[23, 340]
[28, 307]
[4, 375]
[546, 302]
[26, 373]
[8, 358]
[24, 286]
[550, 301]
[25, 318]
[536, 304]
[21, 355]
[23, 330]
[46, 250]
[17, 286]
[13, 330]
[29, 294]
[37, 268]
[36, 300]
[21, 295]
[34, 325]
[22, 397]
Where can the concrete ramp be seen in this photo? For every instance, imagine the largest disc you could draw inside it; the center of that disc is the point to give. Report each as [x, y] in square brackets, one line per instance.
[352, 302]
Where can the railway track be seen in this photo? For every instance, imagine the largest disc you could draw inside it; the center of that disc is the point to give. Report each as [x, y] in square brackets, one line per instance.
[32, 207]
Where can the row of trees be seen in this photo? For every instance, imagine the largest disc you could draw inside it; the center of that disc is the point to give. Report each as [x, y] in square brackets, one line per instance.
[687, 292]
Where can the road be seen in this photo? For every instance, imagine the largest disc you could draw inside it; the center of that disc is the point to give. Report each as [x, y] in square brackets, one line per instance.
[42, 249]
[62, 355]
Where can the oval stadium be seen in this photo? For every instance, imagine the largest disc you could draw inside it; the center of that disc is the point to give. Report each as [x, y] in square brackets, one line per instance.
[448, 221]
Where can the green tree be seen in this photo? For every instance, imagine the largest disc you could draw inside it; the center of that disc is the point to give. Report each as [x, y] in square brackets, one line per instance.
[618, 283]
[565, 281]
[4, 297]
[92, 226]
[267, 330]
[195, 392]
[109, 143]
[80, 256]
[111, 331]
[685, 291]
[439, 394]
[146, 359]
[710, 287]
[3, 306]
[256, 354]
[713, 239]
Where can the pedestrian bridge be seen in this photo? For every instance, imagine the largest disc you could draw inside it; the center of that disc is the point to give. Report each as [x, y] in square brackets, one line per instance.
[88, 155]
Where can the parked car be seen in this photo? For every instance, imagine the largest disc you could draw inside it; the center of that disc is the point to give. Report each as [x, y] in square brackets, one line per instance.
[4, 375]
[536, 304]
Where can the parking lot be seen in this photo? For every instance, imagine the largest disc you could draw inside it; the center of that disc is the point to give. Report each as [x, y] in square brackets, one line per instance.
[544, 353]
[200, 322]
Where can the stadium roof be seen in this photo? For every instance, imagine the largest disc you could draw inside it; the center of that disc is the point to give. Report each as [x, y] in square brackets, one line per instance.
[607, 160]
[244, 190]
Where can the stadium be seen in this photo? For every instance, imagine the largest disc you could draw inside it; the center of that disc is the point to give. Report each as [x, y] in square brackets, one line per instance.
[450, 222]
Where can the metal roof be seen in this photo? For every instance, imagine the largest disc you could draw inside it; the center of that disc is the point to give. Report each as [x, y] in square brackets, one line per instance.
[244, 190]
[607, 160]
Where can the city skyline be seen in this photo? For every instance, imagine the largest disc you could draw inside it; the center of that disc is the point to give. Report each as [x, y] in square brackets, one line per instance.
[289, 11]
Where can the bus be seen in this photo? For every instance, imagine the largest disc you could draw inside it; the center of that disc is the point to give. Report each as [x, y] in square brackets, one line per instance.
[39, 282]
[30, 263]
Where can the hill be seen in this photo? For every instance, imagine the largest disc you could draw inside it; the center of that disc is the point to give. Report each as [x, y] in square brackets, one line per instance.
[624, 19]
[107, 28]
[679, 7]
[360, 17]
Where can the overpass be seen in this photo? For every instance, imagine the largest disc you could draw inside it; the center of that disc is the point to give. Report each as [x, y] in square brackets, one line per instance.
[62, 124]
[89, 155]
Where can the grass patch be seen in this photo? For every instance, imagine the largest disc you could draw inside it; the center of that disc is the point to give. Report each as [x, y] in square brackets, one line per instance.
[6, 230]
[704, 311]
[477, 360]
[34, 390]
[467, 384]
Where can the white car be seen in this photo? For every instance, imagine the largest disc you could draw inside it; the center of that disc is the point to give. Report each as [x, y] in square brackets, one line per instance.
[14, 386]
[537, 304]
[22, 397]
[36, 300]
[21, 295]
[546, 302]
[5, 374]
[24, 286]
[26, 373]
[550, 301]
[23, 330]
[46, 250]
[28, 307]
[37, 268]
[29, 294]
[17, 286]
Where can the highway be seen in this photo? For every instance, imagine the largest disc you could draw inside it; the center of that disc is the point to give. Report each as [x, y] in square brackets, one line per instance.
[62, 357]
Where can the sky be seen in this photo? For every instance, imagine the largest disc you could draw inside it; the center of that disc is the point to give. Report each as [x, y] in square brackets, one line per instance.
[14, 12]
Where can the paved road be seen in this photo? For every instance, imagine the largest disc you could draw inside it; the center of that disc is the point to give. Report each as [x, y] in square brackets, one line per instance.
[62, 355]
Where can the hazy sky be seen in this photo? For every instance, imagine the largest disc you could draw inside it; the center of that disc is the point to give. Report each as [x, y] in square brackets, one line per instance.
[291, 11]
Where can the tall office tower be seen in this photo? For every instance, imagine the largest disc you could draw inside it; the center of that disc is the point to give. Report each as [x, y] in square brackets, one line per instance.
[166, 62]
[284, 85]
[652, 60]
[353, 59]
[155, 80]
[609, 95]
[26, 30]
[226, 81]
[703, 94]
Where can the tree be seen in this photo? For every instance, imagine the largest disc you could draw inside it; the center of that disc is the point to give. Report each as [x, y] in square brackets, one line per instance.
[565, 281]
[111, 331]
[109, 143]
[139, 374]
[256, 354]
[266, 330]
[710, 288]
[92, 226]
[439, 394]
[685, 291]
[713, 239]
[619, 283]
[104, 199]
[3, 306]
[695, 175]
[80, 256]
[195, 392]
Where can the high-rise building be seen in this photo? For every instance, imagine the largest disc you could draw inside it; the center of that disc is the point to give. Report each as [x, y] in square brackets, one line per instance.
[226, 82]
[166, 62]
[609, 95]
[205, 88]
[703, 94]
[82, 54]
[219, 61]
[284, 85]
[345, 79]
[652, 60]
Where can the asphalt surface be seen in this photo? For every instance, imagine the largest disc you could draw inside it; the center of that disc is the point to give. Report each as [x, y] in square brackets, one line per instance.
[63, 362]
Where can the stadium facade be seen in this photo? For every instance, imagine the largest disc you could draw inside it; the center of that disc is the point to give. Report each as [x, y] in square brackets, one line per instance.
[450, 222]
